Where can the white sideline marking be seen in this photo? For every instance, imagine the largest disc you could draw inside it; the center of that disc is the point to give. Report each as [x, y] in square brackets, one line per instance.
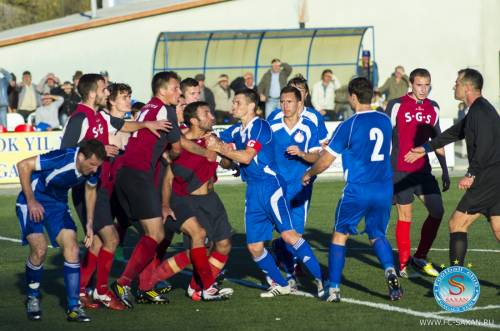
[475, 308]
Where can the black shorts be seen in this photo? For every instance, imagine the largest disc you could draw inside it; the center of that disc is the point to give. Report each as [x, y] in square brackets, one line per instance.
[409, 184]
[102, 211]
[208, 210]
[137, 194]
[484, 194]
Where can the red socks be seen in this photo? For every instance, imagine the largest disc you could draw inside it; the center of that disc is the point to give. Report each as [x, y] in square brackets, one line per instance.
[201, 266]
[166, 269]
[404, 242]
[87, 269]
[104, 263]
[147, 273]
[427, 236]
[141, 256]
[217, 262]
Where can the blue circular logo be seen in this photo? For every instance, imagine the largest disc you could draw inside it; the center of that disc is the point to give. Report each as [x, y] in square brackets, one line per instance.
[456, 289]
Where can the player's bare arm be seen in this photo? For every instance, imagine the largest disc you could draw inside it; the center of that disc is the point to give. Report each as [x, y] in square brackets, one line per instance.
[154, 126]
[242, 156]
[25, 169]
[90, 199]
[309, 157]
[325, 160]
[166, 193]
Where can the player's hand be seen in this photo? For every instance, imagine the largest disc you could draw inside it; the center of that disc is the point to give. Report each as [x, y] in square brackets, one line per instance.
[306, 179]
[294, 150]
[89, 236]
[415, 154]
[166, 212]
[36, 211]
[213, 143]
[465, 183]
[156, 126]
[446, 182]
[111, 150]
[325, 143]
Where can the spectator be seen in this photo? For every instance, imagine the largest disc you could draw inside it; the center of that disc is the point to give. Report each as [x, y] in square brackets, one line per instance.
[271, 84]
[4, 96]
[397, 85]
[378, 101]
[76, 79]
[223, 100]
[48, 84]
[29, 98]
[13, 92]
[243, 82]
[323, 95]
[136, 109]
[367, 68]
[71, 100]
[48, 113]
[205, 93]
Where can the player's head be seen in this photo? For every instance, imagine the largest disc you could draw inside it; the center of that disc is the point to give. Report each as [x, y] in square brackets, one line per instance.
[179, 108]
[197, 115]
[245, 103]
[166, 87]
[119, 97]
[291, 101]
[92, 88]
[420, 80]
[360, 92]
[468, 81]
[91, 154]
[190, 88]
[300, 83]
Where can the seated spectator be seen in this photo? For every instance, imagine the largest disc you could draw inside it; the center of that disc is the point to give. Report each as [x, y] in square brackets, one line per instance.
[397, 85]
[48, 84]
[323, 95]
[206, 94]
[71, 100]
[48, 113]
[13, 93]
[223, 100]
[29, 98]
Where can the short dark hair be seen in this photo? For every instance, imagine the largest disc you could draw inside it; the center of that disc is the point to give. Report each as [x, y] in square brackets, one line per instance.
[275, 60]
[326, 71]
[137, 106]
[419, 72]
[188, 82]
[473, 77]
[292, 89]
[251, 96]
[299, 80]
[92, 147]
[115, 89]
[26, 73]
[362, 88]
[191, 111]
[161, 78]
[88, 83]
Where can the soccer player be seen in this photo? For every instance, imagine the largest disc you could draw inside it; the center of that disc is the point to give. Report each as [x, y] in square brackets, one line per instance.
[266, 206]
[481, 130]
[415, 119]
[364, 142]
[43, 203]
[190, 89]
[296, 146]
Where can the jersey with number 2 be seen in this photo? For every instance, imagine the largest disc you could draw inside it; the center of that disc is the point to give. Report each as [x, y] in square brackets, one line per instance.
[364, 141]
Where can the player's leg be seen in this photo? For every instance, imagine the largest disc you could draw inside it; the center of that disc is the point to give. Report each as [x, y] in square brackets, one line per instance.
[458, 225]
[336, 262]
[495, 226]
[87, 268]
[33, 274]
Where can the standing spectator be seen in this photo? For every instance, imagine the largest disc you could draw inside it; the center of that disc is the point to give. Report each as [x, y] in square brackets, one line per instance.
[48, 84]
[223, 100]
[367, 68]
[48, 113]
[29, 98]
[271, 84]
[205, 93]
[323, 95]
[71, 100]
[13, 93]
[4, 96]
[395, 86]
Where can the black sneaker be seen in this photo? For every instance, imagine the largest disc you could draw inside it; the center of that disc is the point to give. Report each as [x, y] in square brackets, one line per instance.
[151, 296]
[395, 289]
[123, 293]
[33, 309]
[77, 314]
[163, 287]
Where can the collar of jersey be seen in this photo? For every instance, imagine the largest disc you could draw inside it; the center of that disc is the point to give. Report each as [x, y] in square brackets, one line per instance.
[294, 128]
[249, 125]
[77, 173]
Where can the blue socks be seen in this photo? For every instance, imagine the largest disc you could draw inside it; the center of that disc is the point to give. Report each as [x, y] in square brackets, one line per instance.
[304, 252]
[336, 262]
[267, 264]
[383, 250]
[72, 282]
[284, 254]
[33, 277]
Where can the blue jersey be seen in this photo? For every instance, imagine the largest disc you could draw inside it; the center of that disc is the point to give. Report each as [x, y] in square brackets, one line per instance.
[55, 174]
[310, 113]
[258, 135]
[304, 135]
[364, 141]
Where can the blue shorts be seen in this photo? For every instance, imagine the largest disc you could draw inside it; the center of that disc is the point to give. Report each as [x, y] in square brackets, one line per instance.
[56, 218]
[372, 201]
[266, 208]
[299, 198]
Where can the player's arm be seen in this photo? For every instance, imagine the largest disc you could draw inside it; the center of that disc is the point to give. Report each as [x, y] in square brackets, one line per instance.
[90, 200]
[309, 157]
[227, 150]
[166, 194]
[194, 148]
[324, 161]
[230, 165]
[25, 168]
[75, 130]
[441, 156]
[153, 126]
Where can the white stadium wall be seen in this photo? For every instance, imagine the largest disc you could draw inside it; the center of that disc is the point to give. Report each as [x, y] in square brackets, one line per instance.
[442, 36]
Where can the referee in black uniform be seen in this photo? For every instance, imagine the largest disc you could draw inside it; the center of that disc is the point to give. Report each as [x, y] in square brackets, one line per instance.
[481, 130]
